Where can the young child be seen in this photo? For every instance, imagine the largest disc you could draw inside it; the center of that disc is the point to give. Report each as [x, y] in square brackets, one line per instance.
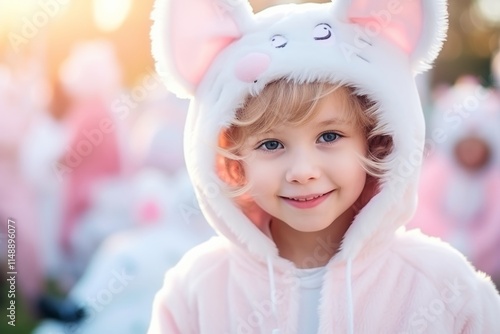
[304, 141]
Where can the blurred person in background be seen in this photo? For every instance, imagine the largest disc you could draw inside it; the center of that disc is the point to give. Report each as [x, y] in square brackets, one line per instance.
[22, 98]
[41, 147]
[167, 222]
[92, 78]
[460, 181]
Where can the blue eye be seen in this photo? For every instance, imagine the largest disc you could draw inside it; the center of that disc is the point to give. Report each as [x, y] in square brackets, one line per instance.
[270, 145]
[328, 137]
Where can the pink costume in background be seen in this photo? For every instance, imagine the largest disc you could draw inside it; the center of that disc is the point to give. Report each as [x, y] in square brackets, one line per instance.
[166, 223]
[102, 162]
[19, 104]
[92, 77]
[457, 204]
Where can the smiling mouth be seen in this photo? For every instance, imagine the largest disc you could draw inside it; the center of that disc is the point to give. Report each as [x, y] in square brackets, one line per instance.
[307, 198]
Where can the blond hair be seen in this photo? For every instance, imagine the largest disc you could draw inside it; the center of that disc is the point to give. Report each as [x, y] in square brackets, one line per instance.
[282, 102]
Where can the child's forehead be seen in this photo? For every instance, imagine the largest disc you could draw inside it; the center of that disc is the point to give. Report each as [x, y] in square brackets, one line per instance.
[338, 105]
[326, 115]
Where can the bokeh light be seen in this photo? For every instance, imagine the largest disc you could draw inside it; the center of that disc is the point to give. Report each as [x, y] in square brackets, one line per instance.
[109, 15]
[489, 10]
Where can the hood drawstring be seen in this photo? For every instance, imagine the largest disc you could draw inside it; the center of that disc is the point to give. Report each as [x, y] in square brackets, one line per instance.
[272, 291]
[350, 308]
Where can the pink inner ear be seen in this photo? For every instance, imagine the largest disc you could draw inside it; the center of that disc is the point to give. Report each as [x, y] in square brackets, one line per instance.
[200, 31]
[399, 21]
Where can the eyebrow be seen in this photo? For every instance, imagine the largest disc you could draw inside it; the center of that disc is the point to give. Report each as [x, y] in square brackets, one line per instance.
[333, 121]
[325, 123]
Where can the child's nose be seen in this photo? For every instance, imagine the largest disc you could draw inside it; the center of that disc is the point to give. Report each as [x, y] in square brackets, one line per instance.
[303, 170]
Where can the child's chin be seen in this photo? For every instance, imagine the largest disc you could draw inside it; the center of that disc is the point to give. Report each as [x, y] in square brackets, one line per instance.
[311, 227]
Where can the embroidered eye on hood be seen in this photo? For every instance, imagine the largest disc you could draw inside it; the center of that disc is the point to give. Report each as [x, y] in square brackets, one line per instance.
[322, 32]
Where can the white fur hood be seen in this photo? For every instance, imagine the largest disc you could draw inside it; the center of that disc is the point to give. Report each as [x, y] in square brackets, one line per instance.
[217, 52]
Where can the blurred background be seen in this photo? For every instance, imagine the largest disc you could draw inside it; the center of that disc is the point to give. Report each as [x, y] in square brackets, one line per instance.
[472, 37]
[91, 155]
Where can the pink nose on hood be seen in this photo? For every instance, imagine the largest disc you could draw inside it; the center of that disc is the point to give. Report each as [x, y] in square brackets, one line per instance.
[250, 67]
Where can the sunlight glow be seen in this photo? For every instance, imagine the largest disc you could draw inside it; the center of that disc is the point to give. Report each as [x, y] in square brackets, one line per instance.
[109, 15]
[489, 10]
[11, 13]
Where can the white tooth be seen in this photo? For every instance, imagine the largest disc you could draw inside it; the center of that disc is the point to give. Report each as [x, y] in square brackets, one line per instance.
[305, 199]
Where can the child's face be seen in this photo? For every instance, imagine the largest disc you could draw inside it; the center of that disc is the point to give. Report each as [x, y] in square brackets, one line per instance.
[308, 175]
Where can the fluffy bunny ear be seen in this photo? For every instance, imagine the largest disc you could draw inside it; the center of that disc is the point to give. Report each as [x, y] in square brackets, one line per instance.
[188, 34]
[418, 27]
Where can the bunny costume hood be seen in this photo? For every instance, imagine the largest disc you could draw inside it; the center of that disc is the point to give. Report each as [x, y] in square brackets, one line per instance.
[221, 53]
[217, 52]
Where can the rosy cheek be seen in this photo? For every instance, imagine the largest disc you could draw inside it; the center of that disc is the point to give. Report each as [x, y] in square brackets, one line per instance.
[250, 67]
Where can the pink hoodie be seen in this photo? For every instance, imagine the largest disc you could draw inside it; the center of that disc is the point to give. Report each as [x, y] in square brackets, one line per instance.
[384, 279]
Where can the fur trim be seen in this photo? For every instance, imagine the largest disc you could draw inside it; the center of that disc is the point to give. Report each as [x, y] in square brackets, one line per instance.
[435, 30]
